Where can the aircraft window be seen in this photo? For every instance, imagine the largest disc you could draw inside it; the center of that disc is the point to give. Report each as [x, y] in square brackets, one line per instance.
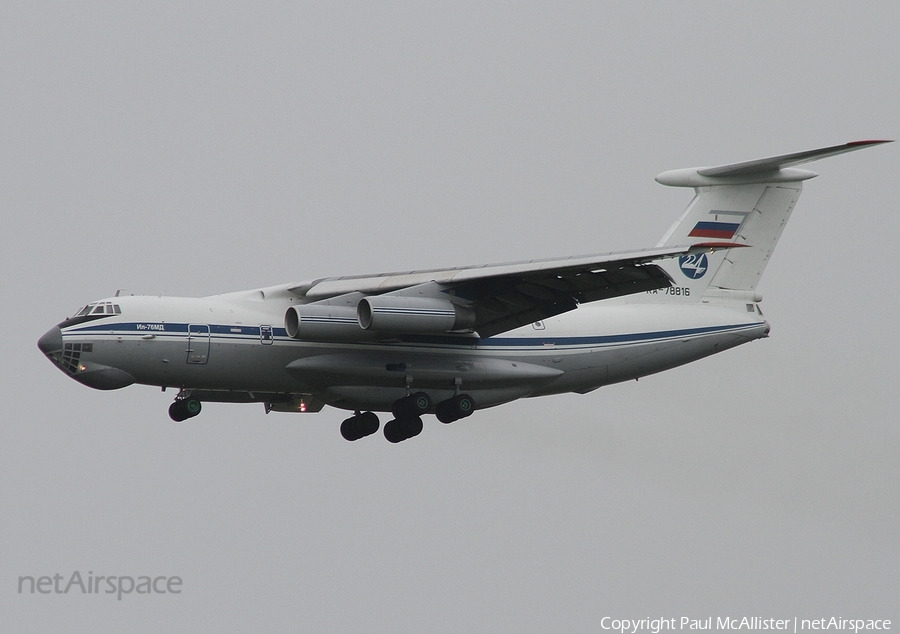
[96, 311]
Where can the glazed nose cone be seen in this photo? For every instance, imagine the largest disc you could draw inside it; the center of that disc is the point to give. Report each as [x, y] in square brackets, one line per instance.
[51, 341]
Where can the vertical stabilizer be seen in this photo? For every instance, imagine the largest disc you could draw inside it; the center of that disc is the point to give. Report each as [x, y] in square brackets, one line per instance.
[744, 203]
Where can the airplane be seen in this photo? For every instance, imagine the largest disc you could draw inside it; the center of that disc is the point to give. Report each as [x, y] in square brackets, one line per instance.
[449, 342]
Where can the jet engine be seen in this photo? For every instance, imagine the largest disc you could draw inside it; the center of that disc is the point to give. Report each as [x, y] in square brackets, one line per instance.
[398, 314]
[376, 317]
[322, 322]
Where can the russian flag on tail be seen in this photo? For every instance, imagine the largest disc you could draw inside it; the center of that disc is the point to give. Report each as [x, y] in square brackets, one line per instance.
[723, 226]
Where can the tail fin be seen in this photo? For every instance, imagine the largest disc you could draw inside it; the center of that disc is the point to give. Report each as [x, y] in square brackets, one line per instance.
[745, 203]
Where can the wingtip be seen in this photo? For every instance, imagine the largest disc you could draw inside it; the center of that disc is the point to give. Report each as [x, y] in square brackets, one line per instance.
[870, 142]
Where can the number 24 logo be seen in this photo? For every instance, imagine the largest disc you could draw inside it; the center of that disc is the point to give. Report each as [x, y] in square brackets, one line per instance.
[694, 265]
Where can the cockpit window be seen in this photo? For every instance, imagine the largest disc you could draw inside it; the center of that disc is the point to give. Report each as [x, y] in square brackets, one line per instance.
[93, 311]
[100, 309]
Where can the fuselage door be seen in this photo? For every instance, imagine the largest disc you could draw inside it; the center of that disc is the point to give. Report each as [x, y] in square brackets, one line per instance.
[265, 335]
[198, 344]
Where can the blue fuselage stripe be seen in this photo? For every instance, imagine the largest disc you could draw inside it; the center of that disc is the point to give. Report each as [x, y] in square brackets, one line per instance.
[244, 333]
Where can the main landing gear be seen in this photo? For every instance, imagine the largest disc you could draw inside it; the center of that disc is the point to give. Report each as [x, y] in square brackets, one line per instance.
[407, 421]
[183, 409]
[455, 408]
[407, 413]
[359, 426]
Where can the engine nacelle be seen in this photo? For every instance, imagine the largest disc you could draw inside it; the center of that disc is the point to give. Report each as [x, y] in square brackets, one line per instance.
[398, 314]
[319, 322]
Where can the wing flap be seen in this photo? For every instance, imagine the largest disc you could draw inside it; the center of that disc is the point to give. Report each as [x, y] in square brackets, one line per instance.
[508, 302]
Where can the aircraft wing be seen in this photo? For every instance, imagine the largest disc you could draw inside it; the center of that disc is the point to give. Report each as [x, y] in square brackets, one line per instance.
[507, 296]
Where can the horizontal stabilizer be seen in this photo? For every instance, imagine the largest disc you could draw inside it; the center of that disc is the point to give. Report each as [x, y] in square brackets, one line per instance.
[785, 160]
[774, 169]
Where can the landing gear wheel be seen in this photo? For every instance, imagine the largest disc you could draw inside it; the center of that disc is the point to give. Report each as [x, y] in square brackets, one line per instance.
[183, 409]
[348, 429]
[411, 426]
[392, 431]
[359, 426]
[400, 429]
[191, 406]
[455, 408]
[411, 406]
[176, 412]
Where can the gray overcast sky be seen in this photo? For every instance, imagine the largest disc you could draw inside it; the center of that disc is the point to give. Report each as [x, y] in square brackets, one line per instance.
[200, 148]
